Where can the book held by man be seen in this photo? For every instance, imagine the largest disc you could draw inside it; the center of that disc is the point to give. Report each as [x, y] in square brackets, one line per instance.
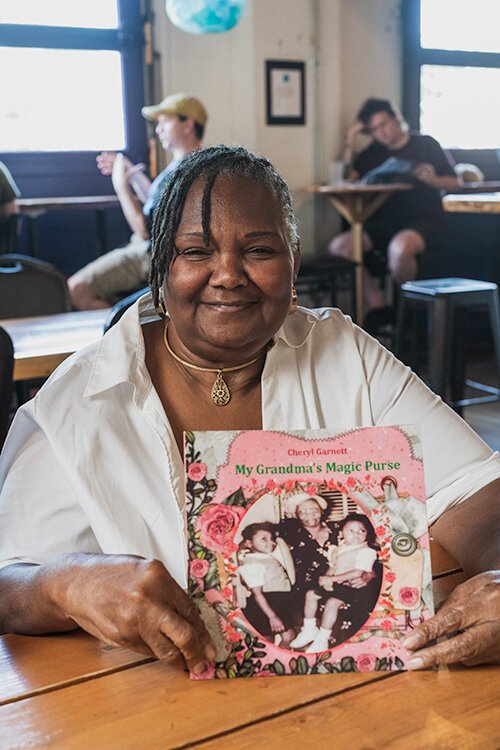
[308, 550]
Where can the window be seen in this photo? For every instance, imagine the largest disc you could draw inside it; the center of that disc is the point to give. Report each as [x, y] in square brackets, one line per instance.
[61, 100]
[93, 14]
[75, 85]
[452, 71]
[72, 85]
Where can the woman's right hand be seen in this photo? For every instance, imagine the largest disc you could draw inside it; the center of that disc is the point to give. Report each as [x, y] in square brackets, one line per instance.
[128, 601]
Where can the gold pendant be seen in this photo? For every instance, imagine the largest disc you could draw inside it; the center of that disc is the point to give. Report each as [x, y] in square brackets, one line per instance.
[220, 392]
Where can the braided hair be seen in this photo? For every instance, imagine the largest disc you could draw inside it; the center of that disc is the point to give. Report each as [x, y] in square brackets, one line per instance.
[208, 163]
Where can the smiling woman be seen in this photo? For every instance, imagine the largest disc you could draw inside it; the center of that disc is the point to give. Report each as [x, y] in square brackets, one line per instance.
[91, 477]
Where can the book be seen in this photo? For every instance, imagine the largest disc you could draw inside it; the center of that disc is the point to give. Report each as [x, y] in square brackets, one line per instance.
[308, 550]
[390, 171]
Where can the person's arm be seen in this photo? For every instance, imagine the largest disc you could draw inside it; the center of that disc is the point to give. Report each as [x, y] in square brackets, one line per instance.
[131, 185]
[348, 576]
[120, 599]
[426, 173]
[349, 153]
[129, 202]
[470, 532]
[274, 621]
[436, 169]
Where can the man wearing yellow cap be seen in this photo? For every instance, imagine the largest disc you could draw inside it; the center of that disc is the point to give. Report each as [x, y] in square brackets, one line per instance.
[180, 125]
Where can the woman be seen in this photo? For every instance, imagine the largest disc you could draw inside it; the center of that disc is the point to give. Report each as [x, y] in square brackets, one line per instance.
[92, 475]
[311, 540]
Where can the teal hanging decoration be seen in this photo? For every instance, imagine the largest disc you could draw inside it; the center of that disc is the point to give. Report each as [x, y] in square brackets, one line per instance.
[205, 16]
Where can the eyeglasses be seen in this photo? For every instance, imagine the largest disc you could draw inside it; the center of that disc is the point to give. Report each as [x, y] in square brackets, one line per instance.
[380, 126]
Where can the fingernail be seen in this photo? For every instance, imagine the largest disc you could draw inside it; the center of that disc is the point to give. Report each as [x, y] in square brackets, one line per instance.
[415, 663]
[199, 668]
[410, 641]
[210, 651]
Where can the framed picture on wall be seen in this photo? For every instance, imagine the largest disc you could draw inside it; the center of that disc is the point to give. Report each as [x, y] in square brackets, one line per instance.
[285, 92]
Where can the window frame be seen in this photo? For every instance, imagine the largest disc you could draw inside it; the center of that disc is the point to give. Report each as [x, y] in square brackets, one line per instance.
[414, 56]
[47, 172]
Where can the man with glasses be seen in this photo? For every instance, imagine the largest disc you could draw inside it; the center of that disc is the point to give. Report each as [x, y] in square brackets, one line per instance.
[409, 222]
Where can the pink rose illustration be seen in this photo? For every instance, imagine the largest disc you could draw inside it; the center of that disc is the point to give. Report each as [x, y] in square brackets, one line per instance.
[197, 472]
[380, 530]
[390, 576]
[198, 568]
[386, 626]
[408, 596]
[366, 662]
[217, 524]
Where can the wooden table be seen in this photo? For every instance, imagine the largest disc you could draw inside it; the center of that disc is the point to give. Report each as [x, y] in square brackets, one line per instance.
[476, 203]
[356, 202]
[73, 693]
[32, 208]
[41, 343]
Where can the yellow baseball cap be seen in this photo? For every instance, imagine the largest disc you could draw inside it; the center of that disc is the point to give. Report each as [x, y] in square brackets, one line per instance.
[186, 105]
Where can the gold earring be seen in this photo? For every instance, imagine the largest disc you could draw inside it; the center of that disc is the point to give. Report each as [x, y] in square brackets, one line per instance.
[294, 302]
[161, 309]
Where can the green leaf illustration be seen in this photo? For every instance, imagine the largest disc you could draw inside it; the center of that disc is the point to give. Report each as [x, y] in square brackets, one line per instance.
[278, 667]
[347, 664]
[302, 665]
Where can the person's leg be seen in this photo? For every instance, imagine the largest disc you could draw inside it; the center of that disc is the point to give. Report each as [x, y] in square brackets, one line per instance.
[309, 627]
[311, 604]
[322, 639]
[330, 613]
[402, 254]
[98, 283]
[341, 246]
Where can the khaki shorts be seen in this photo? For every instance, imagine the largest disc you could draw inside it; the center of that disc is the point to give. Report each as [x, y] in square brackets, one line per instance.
[118, 271]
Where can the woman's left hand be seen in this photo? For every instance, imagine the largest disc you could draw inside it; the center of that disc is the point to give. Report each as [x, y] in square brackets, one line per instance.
[471, 616]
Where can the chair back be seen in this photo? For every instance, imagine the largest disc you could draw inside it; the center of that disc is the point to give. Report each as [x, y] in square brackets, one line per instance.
[29, 286]
[122, 306]
[9, 231]
[6, 368]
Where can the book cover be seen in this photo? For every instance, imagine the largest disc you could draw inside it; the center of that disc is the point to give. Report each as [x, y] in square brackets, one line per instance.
[308, 550]
[391, 170]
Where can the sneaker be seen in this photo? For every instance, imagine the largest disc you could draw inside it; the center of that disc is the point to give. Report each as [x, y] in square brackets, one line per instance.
[319, 644]
[379, 319]
[305, 636]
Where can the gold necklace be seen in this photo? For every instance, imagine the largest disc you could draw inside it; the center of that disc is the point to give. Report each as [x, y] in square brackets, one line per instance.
[220, 393]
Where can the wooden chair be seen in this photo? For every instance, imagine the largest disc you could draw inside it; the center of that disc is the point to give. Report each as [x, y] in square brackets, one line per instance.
[31, 287]
[6, 369]
[9, 231]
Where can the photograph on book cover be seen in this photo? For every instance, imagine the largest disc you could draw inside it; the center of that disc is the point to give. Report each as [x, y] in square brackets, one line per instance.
[308, 550]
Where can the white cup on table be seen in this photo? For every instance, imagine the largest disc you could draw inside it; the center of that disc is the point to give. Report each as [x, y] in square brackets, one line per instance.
[335, 172]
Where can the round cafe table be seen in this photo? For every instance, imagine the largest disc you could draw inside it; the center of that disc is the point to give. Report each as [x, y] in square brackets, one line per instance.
[356, 202]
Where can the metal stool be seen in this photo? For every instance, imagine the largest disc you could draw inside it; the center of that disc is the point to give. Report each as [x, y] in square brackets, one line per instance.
[447, 301]
[323, 277]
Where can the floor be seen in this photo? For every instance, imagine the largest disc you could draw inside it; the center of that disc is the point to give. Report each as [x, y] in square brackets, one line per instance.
[484, 418]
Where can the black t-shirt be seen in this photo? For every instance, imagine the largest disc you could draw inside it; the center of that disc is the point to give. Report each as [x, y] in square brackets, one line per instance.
[422, 202]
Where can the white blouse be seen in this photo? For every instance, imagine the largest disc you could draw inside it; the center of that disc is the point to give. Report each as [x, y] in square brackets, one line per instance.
[91, 464]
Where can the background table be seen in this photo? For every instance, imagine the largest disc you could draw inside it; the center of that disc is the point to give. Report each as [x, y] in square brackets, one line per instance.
[476, 203]
[72, 692]
[34, 207]
[41, 343]
[356, 202]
